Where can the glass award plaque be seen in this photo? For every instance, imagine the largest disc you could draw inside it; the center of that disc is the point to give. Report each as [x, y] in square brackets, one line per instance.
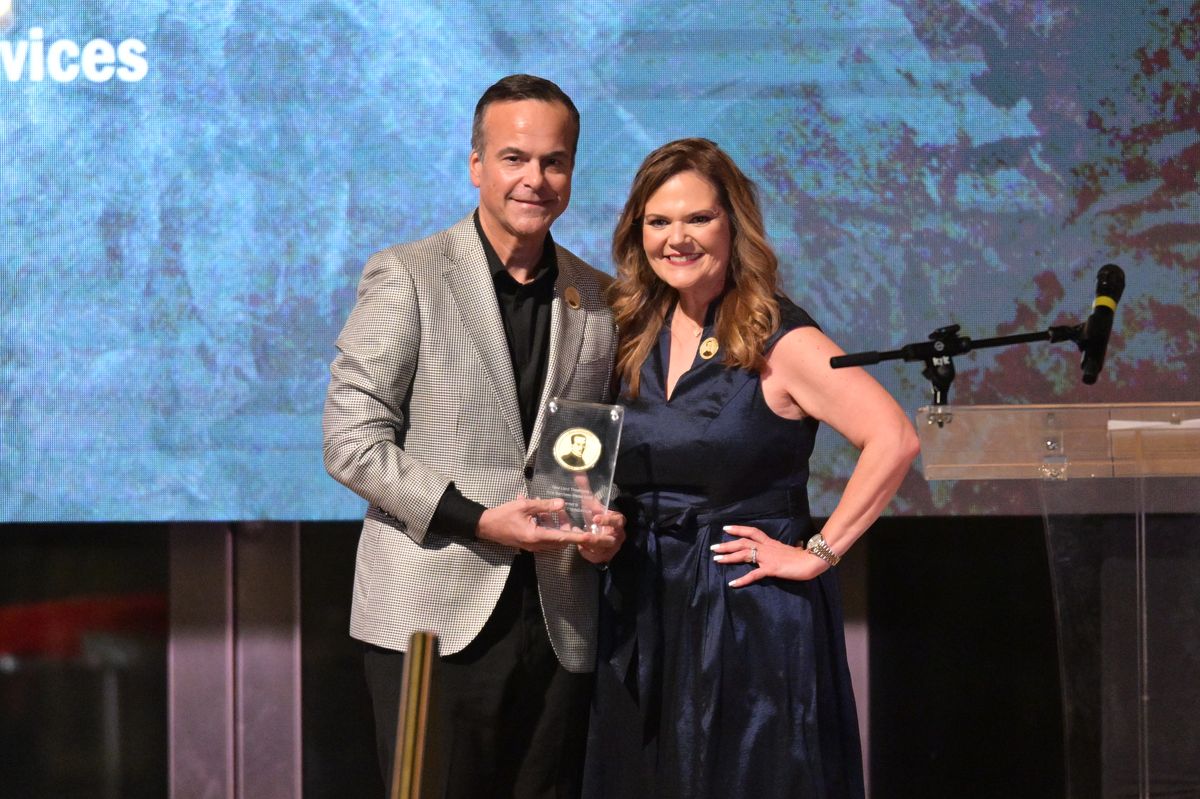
[577, 456]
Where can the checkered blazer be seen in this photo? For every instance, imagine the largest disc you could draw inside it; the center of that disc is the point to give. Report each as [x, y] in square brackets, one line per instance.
[422, 393]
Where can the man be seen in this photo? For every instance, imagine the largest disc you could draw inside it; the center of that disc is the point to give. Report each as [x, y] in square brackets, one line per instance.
[434, 415]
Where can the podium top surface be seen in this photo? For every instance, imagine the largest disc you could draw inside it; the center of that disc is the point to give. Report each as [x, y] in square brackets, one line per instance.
[1060, 442]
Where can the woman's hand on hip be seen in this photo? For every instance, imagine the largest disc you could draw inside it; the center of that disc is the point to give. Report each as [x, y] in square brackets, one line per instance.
[771, 558]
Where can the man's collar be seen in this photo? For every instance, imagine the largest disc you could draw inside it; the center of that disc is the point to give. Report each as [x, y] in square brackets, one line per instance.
[548, 264]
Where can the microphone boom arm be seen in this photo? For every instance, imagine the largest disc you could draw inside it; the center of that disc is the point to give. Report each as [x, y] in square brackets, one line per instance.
[944, 343]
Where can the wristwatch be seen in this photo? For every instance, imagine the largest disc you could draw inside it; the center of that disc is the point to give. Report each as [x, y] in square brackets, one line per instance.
[817, 546]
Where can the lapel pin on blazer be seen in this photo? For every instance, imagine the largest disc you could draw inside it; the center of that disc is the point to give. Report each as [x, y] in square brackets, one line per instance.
[709, 347]
[571, 295]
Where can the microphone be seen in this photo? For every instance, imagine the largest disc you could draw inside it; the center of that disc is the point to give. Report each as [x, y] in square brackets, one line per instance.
[1110, 284]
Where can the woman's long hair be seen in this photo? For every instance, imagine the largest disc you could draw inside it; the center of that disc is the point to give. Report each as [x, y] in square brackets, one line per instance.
[749, 312]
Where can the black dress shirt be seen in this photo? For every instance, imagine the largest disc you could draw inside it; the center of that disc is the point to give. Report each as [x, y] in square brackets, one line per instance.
[525, 309]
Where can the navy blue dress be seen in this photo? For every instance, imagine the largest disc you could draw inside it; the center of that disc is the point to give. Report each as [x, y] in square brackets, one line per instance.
[705, 690]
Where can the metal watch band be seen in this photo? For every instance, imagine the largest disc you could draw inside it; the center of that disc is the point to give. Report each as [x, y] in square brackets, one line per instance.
[818, 547]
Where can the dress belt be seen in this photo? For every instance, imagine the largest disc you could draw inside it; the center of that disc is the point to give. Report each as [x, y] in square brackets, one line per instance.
[672, 513]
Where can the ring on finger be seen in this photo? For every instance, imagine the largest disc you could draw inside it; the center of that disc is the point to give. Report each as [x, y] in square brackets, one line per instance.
[753, 556]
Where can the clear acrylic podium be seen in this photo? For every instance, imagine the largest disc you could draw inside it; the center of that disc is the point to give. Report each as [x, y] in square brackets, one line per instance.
[1120, 494]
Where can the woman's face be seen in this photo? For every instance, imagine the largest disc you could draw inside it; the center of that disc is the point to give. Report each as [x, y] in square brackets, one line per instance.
[686, 235]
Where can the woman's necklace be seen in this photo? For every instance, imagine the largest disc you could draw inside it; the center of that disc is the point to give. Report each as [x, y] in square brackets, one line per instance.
[694, 334]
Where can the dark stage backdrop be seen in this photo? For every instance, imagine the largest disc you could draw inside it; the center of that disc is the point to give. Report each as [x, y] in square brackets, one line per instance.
[189, 190]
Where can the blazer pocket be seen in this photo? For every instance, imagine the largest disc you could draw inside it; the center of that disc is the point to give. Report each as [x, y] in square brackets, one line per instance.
[597, 349]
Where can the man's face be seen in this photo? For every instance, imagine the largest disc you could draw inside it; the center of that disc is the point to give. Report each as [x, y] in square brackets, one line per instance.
[524, 172]
[578, 445]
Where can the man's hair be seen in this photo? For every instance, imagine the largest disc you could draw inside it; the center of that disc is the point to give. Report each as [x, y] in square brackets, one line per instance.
[578, 435]
[521, 87]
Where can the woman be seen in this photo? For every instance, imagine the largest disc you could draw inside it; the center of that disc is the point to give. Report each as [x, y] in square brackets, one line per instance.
[729, 628]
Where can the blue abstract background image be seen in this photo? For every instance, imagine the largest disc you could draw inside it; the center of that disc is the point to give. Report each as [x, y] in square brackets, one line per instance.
[179, 252]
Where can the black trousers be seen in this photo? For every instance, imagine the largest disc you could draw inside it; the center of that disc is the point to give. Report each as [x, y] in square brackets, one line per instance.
[511, 721]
